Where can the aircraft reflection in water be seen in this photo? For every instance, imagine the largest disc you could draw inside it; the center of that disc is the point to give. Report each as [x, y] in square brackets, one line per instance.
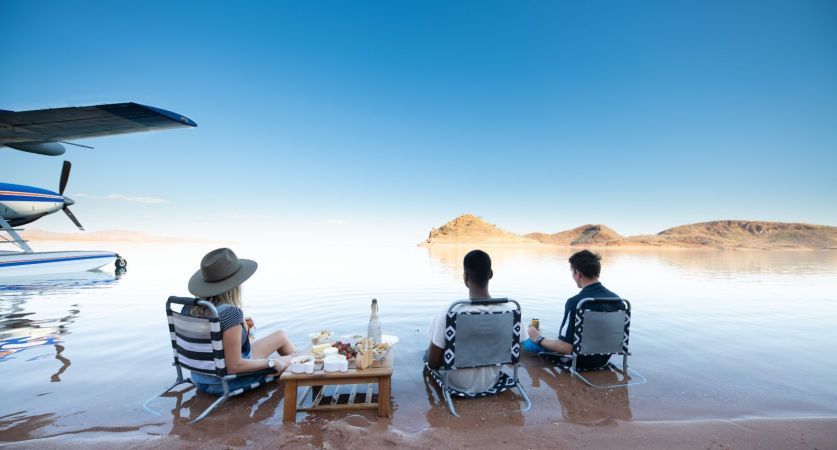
[19, 333]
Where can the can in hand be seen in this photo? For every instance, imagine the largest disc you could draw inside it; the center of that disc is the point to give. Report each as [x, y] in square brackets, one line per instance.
[536, 323]
[251, 328]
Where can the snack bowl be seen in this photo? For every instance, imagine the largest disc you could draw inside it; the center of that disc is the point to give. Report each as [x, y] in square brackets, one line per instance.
[302, 364]
[321, 337]
[381, 351]
[335, 363]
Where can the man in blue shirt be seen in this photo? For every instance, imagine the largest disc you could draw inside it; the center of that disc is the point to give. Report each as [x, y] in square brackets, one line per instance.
[586, 268]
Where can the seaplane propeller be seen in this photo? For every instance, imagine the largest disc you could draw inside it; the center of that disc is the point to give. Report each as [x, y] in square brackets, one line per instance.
[65, 175]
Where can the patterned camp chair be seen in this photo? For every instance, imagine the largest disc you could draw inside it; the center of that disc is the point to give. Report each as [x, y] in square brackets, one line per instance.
[198, 347]
[599, 331]
[481, 339]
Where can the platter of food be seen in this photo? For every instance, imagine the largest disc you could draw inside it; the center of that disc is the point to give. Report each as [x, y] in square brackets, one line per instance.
[323, 347]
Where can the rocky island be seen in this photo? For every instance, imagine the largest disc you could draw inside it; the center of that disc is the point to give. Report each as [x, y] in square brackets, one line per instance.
[720, 234]
[470, 229]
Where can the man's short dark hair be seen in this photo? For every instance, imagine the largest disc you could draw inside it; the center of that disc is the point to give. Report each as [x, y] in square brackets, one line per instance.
[478, 267]
[587, 263]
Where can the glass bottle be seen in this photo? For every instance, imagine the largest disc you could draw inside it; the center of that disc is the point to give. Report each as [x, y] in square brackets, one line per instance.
[374, 330]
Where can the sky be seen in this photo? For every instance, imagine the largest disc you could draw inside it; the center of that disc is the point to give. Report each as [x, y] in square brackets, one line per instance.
[380, 120]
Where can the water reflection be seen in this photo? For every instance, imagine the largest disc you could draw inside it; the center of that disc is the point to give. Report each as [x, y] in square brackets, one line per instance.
[580, 403]
[23, 426]
[451, 256]
[260, 405]
[698, 262]
[502, 408]
[55, 284]
[714, 263]
[20, 330]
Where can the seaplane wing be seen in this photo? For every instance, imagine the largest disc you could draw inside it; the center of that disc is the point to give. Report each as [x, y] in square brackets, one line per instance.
[42, 131]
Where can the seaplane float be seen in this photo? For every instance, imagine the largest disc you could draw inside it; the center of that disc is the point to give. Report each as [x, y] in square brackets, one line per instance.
[43, 132]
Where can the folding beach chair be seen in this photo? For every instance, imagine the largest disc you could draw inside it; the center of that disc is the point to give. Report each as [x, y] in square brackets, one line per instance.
[602, 327]
[198, 347]
[481, 339]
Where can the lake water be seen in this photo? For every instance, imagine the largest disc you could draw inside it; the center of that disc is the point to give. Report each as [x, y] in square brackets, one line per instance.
[718, 334]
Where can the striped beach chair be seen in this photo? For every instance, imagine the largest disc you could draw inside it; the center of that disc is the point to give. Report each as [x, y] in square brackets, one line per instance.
[602, 327]
[481, 339]
[197, 346]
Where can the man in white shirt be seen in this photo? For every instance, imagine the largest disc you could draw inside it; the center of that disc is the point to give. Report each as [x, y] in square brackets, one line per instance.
[477, 274]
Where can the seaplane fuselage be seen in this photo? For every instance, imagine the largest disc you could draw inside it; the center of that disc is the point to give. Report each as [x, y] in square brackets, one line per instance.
[20, 203]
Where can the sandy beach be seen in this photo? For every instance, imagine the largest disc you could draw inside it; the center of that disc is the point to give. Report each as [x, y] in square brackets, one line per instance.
[357, 431]
[576, 417]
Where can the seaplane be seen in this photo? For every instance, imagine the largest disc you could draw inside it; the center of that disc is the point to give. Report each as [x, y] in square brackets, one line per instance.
[43, 132]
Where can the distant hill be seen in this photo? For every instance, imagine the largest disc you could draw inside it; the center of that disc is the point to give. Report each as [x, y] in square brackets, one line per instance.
[583, 235]
[740, 234]
[470, 229]
[101, 236]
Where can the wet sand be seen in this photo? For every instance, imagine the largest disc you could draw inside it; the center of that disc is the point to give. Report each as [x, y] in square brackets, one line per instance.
[566, 414]
[357, 431]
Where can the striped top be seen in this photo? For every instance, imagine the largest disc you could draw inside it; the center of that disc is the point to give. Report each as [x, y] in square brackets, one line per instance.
[229, 316]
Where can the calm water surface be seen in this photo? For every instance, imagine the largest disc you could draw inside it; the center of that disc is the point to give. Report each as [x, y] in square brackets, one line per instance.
[718, 334]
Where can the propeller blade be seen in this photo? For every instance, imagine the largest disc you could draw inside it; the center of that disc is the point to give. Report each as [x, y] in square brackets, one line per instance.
[65, 175]
[72, 217]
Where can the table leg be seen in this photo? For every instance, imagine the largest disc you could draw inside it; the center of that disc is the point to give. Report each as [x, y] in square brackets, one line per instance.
[289, 412]
[384, 386]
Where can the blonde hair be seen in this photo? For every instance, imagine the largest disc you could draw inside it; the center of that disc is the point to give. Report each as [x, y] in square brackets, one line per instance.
[231, 297]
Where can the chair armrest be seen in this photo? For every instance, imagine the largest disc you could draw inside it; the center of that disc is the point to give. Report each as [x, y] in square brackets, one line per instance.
[555, 354]
[188, 301]
[427, 367]
[233, 376]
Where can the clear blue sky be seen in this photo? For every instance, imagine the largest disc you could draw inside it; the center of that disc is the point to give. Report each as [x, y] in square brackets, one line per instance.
[397, 116]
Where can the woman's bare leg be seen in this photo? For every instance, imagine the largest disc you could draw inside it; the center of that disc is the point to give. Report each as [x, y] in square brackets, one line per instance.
[274, 342]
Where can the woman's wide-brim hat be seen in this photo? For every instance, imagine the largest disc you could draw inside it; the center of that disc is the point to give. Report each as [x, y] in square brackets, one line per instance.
[221, 270]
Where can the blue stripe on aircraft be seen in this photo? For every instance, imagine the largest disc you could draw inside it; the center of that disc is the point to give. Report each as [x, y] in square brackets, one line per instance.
[24, 198]
[52, 260]
[27, 189]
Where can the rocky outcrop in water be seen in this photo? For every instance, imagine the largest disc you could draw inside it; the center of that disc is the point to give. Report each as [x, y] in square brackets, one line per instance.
[470, 229]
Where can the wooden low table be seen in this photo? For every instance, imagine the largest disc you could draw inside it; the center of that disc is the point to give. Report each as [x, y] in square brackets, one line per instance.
[317, 380]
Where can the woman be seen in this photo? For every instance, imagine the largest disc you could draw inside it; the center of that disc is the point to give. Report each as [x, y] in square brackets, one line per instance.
[219, 281]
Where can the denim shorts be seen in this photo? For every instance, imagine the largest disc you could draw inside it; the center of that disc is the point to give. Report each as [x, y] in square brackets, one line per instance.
[212, 384]
[533, 347]
[238, 383]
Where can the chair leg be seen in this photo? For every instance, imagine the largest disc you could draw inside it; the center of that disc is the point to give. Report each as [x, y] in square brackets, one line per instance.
[449, 402]
[525, 397]
[625, 371]
[176, 383]
[211, 407]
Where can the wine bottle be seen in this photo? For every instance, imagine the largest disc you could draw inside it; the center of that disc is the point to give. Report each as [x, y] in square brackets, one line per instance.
[374, 330]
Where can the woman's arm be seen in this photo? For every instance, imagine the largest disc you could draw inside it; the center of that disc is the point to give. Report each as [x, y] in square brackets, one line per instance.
[232, 355]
